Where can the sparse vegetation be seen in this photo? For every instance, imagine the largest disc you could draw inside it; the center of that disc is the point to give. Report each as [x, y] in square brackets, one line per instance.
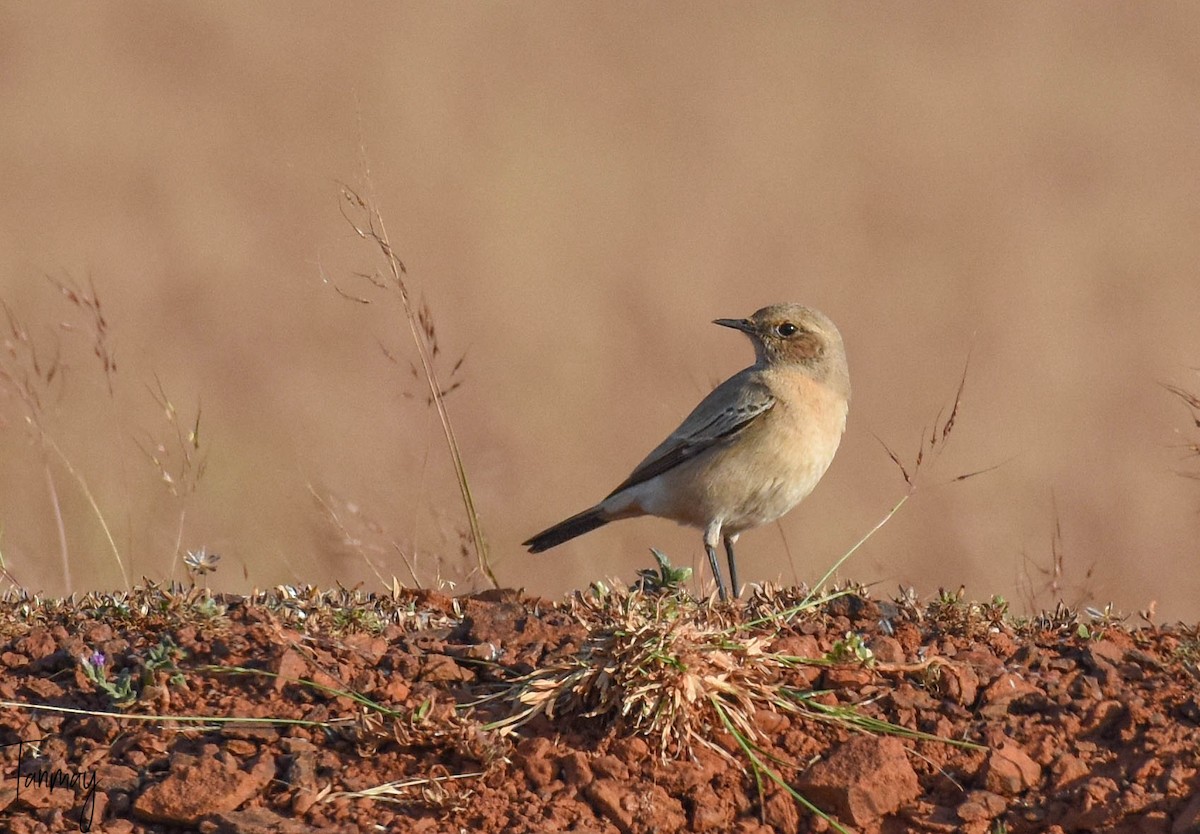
[126, 685]
[1191, 444]
[33, 373]
[368, 224]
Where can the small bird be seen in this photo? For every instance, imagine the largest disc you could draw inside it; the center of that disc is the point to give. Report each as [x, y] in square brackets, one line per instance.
[751, 450]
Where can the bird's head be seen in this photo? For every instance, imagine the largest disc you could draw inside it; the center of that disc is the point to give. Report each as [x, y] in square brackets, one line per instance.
[792, 334]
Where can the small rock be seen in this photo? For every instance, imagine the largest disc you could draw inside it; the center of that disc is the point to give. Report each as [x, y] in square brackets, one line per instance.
[1102, 717]
[1010, 770]
[396, 690]
[780, 813]
[771, 723]
[1067, 769]
[907, 696]
[707, 813]
[96, 632]
[632, 749]
[439, 668]
[1154, 822]
[1103, 653]
[257, 821]
[846, 677]
[960, 683]
[802, 646]
[240, 748]
[575, 769]
[202, 787]
[985, 663]
[533, 756]
[605, 796]
[1001, 692]
[864, 779]
[610, 767]
[886, 649]
[932, 819]
[981, 806]
[291, 668]
[1097, 804]
[370, 647]
[39, 643]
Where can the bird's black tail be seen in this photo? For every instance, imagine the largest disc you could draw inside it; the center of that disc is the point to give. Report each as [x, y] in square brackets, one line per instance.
[576, 525]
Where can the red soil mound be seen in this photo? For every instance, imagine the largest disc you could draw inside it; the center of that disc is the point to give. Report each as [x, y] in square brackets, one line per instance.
[1084, 728]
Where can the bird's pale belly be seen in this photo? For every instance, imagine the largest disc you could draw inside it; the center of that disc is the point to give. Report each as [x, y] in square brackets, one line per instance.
[742, 485]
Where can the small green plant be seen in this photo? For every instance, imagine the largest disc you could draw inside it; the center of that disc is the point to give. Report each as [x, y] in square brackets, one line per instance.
[163, 656]
[120, 690]
[208, 608]
[954, 611]
[358, 619]
[1103, 619]
[1187, 650]
[851, 649]
[666, 579]
[126, 686]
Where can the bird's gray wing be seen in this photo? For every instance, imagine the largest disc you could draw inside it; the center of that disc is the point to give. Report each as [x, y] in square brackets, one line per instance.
[731, 407]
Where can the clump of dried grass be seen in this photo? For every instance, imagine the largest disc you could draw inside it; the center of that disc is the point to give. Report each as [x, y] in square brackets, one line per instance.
[662, 665]
[688, 674]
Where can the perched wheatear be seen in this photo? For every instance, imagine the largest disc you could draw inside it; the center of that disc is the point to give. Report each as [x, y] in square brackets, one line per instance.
[753, 448]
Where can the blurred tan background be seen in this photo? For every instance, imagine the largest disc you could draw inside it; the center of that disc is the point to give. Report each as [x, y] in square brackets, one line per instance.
[578, 190]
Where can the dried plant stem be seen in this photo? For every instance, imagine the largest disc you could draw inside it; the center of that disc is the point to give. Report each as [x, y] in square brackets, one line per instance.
[49, 443]
[178, 541]
[56, 505]
[388, 790]
[376, 231]
[183, 478]
[820, 586]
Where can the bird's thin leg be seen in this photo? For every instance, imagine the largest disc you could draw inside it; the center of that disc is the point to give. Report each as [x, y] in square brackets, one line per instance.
[716, 569]
[711, 535]
[733, 580]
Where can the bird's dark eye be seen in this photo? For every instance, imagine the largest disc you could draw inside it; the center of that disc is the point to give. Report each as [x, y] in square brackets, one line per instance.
[786, 329]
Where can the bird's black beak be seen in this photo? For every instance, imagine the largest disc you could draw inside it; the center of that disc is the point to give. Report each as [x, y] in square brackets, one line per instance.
[744, 325]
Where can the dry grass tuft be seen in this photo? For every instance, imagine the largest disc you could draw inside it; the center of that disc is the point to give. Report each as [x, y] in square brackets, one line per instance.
[688, 674]
[655, 663]
[180, 460]
[1192, 401]
[675, 670]
[33, 377]
[33, 369]
[368, 224]
[933, 441]
[87, 302]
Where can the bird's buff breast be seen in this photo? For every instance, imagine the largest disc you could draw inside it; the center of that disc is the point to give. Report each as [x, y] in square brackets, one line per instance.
[762, 472]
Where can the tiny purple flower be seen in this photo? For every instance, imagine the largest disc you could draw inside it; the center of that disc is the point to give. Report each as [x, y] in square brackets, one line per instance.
[97, 659]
